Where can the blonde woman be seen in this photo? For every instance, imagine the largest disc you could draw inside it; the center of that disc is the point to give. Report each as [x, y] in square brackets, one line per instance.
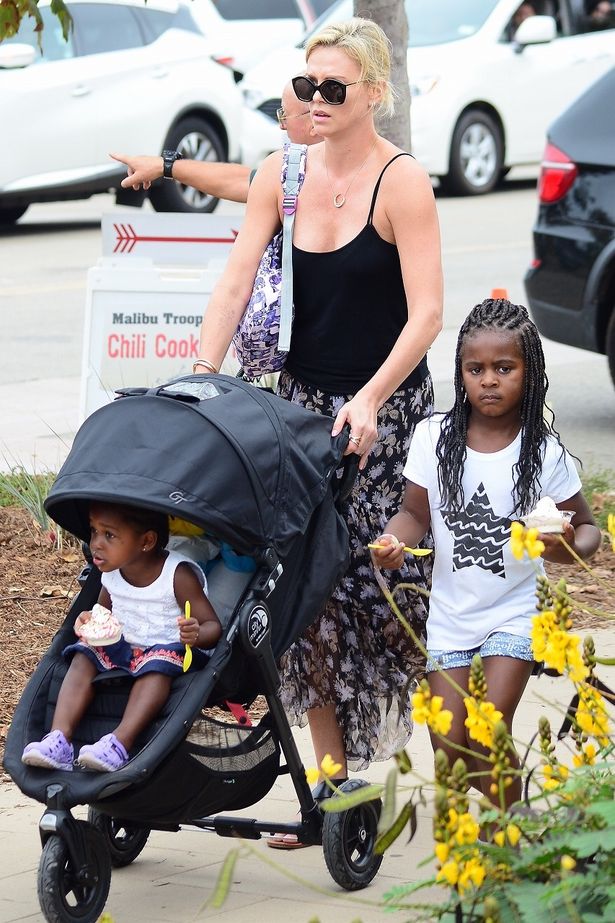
[368, 305]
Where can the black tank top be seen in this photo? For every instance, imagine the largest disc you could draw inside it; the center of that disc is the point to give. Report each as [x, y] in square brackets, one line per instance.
[350, 308]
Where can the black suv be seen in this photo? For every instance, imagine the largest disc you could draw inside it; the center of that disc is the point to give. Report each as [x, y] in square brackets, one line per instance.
[570, 285]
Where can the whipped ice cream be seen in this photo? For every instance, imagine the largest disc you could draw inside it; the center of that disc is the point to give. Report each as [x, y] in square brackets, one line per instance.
[545, 517]
[101, 628]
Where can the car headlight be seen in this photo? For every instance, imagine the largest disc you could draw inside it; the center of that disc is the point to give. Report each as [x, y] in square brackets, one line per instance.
[420, 86]
[252, 97]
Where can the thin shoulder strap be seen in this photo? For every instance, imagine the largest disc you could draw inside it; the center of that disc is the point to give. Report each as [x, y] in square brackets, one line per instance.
[377, 187]
[293, 174]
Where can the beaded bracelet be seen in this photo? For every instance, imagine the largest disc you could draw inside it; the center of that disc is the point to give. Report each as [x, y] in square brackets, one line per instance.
[206, 364]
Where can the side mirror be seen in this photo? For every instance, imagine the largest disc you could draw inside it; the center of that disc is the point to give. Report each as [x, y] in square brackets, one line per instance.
[535, 30]
[17, 55]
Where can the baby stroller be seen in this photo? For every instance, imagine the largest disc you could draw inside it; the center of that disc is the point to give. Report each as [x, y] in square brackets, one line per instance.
[266, 478]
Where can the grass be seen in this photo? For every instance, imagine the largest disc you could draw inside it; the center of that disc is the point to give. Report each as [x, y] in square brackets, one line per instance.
[599, 489]
[20, 488]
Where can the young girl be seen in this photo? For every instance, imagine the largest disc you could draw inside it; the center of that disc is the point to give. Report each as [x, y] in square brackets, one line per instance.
[471, 472]
[147, 589]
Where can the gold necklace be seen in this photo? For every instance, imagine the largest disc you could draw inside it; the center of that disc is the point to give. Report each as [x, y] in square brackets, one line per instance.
[340, 198]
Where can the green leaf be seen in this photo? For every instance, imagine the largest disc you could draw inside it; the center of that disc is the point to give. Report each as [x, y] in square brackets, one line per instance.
[223, 883]
[526, 896]
[404, 763]
[345, 801]
[387, 815]
[385, 839]
[604, 809]
[59, 8]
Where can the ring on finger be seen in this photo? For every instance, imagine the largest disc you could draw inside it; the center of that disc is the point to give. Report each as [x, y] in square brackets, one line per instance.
[355, 439]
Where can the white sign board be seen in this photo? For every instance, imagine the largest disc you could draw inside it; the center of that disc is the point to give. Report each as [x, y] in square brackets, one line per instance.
[168, 237]
[142, 326]
[143, 318]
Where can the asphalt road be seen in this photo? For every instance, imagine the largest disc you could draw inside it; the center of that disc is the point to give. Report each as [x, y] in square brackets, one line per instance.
[43, 263]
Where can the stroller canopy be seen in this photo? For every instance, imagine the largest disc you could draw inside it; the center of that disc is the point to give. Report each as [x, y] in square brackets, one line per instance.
[247, 466]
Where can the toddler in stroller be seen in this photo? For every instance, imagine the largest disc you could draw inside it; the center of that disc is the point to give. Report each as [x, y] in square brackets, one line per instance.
[265, 478]
[147, 589]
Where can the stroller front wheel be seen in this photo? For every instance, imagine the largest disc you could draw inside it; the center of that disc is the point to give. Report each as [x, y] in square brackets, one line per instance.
[348, 841]
[124, 841]
[63, 893]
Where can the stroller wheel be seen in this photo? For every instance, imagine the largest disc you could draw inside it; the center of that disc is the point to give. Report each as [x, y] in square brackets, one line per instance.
[124, 841]
[64, 895]
[348, 840]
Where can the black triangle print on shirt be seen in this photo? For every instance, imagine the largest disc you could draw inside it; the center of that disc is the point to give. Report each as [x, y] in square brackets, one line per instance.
[479, 535]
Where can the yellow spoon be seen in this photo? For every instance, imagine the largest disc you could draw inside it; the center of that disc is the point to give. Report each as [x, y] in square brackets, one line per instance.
[188, 654]
[417, 552]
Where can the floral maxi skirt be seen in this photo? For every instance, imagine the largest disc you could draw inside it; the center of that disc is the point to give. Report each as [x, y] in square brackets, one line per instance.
[357, 655]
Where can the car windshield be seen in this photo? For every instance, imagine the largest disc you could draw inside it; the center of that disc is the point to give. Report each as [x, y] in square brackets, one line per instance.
[429, 22]
[257, 9]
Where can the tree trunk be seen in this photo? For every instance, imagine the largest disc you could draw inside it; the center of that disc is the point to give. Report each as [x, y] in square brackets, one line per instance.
[391, 17]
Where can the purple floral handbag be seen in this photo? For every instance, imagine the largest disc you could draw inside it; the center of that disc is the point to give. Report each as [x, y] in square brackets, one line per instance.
[262, 339]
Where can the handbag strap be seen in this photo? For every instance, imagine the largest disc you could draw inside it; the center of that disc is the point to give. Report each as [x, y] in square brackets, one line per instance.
[292, 184]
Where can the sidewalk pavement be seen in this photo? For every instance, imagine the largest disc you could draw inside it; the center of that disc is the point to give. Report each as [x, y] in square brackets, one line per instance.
[176, 873]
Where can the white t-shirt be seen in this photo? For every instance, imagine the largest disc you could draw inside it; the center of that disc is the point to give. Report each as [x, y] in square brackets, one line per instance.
[148, 614]
[478, 587]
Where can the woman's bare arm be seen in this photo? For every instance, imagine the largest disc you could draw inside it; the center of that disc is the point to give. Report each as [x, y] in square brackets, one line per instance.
[230, 296]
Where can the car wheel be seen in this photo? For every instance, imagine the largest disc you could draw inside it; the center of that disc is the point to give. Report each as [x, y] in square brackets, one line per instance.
[477, 154]
[195, 139]
[610, 344]
[11, 215]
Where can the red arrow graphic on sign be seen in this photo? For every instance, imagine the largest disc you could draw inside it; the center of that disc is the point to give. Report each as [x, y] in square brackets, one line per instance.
[127, 239]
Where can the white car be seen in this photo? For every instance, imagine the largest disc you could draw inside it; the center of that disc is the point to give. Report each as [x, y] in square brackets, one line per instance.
[242, 32]
[483, 91]
[132, 77]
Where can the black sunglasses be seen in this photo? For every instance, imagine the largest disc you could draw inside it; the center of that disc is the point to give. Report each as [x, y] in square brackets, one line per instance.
[332, 91]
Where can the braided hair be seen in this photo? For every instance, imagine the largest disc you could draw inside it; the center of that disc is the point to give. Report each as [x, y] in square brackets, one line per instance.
[451, 449]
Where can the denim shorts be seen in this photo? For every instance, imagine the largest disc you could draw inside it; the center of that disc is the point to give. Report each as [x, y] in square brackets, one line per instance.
[499, 644]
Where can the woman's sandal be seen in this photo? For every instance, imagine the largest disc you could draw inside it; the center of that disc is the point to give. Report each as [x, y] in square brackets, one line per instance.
[291, 840]
[286, 841]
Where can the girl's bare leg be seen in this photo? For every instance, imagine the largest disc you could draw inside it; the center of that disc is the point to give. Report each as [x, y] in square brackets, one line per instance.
[75, 696]
[506, 681]
[457, 736]
[146, 699]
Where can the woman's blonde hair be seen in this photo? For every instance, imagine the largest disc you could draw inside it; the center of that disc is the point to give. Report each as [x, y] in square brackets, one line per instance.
[366, 43]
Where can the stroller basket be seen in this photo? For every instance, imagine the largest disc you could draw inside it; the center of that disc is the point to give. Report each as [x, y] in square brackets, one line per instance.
[218, 767]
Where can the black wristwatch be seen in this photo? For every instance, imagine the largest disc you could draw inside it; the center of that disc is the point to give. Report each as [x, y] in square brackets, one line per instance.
[168, 159]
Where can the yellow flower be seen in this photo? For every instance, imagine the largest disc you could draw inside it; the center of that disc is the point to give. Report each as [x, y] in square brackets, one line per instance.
[482, 717]
[591, 714]
[517, 537]
[513, 833]
[420, 707]
[427, 709]
[568, 863]
[442, 850]
[449, 873]
[543, 625]
[467, 830]
[328, 767]
[587, 756]
[525, 541]
[554, 776]
[499, 838]
[472, 873]
[610, 524]
[312, 775]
